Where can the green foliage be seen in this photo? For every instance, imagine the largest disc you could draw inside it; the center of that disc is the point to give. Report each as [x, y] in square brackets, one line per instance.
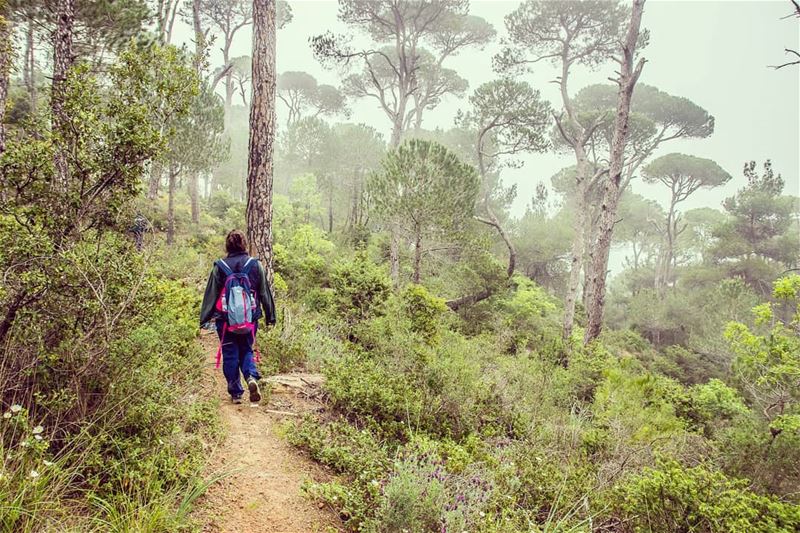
[768, 365]
[674, 498]
[761, 234]
[425, 312]
[360, 287]
[104, 347]
[303, 258]
[425, 187]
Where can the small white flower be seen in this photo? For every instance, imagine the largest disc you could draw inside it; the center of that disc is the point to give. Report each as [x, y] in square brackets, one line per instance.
[48, 463]
[24, 444]
[34, 474]
[482, 514]
[375, 482]
[7, 414]
[37, 437]
[37, 430]
[16, 408]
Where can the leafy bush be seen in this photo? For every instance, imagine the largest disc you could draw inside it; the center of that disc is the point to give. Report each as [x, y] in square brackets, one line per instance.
[303, 258]
[424, 311]
[673, 498]
[360, 286]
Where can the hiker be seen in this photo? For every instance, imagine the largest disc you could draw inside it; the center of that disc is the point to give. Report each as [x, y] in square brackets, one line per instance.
[138, 228]
[236, 293]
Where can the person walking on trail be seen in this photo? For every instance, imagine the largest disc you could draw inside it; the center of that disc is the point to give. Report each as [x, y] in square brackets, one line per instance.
[138, 229]
[236, 293]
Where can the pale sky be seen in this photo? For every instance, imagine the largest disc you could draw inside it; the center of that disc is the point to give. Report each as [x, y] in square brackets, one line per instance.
[717, 54]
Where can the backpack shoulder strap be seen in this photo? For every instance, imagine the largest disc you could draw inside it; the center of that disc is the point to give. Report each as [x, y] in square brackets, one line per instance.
[224, 267]
[248, 265]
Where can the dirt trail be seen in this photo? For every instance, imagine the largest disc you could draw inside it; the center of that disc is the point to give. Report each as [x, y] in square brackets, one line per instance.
[263, 493]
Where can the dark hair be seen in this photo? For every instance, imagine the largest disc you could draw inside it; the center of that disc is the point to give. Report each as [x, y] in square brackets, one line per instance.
[235, 242]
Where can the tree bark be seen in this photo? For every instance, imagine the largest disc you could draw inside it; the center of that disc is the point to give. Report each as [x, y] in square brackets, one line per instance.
[576, 261]
[580, 137]
[330, 206]
[29, 69]
[227, 80]
[262, 134]
[629, 75]
[154, 183]
[62, 61]
[417, 255]
[194, 194]
[11, 314]
[171, 206]
[5, 69]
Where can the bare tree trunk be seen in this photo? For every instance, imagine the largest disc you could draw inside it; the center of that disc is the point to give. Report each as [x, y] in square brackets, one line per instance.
[62, 61]
[173, 173]
[154, 183]
[227, 80]
[330, 207]
[6, 54]
[30, 66]
[417, 255]
[629, 75]
[576, 260]
[194, 194]
[262, 134]
[199, 51]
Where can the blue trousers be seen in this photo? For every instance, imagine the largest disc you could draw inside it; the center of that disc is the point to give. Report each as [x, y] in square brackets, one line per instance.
[237, 357]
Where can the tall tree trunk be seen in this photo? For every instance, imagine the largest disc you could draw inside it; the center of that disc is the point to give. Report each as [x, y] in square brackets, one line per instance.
[668, 254]
[5, 69]
[199, 52]
[227, 80]
[194, 194]
[262, 134]
[173, 173]
[417, 254]
[62, 61]
[629, 74]
[154, 183]
[29, 70]
[330, 206]
[576, 259]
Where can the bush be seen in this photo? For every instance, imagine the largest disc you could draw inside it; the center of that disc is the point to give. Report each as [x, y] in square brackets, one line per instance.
[361, 287]
[303, 258]
[673, 498]
[424, 311]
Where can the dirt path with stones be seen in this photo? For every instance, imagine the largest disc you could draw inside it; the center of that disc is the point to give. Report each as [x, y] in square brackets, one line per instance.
[262, 493]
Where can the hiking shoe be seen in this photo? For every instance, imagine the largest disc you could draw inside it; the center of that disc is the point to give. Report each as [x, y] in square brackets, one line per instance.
[236, 399]
[255, 393]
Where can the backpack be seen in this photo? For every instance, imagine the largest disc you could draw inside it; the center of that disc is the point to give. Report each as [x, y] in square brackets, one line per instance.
[237, 302]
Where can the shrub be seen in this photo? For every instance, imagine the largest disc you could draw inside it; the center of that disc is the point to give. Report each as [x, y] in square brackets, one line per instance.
[424, 311]
[421, 495]
[673, 498]
[361, 287]
[361, 387]
[304, 258]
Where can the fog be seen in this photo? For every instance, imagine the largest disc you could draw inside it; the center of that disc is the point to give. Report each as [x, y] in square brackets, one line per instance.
[717, 54]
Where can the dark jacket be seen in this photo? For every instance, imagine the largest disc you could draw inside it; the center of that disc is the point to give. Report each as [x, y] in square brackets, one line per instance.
[258, 281]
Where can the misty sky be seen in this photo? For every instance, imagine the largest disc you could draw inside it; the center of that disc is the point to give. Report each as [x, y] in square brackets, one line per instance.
[715, 53]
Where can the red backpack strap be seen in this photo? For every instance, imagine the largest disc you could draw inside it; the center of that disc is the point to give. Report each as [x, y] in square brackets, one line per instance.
[221, 340]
